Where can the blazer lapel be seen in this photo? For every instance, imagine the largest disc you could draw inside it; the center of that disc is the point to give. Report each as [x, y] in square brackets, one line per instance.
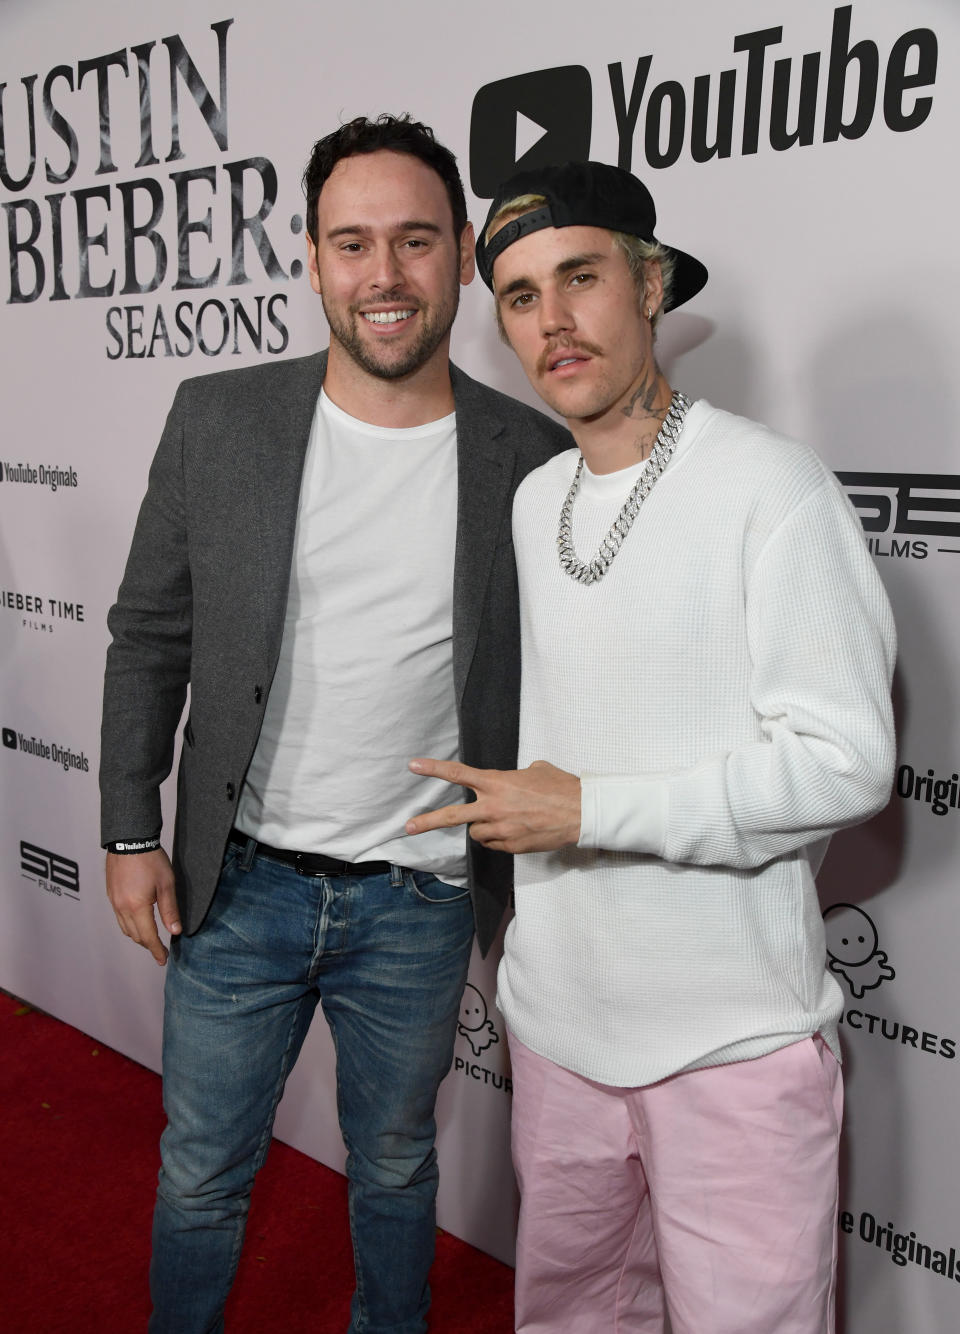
[280, 431]
[486, 463]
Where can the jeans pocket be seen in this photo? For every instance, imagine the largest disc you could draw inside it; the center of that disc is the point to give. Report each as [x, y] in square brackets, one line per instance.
[428, 888]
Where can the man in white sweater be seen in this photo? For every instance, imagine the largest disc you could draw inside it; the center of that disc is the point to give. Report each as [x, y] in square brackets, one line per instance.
[705, 701]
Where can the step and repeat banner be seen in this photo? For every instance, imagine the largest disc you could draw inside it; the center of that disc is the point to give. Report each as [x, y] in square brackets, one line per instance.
[153, 228]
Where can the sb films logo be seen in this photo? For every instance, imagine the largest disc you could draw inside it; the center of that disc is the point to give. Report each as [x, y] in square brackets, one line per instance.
[907, 515]
[49, 870]
[854, 954]
[531, 120]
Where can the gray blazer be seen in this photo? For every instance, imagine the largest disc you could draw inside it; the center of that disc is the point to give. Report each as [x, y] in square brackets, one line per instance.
[204, 593]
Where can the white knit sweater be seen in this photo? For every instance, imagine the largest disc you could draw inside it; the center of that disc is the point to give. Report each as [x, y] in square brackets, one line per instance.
[724, 694]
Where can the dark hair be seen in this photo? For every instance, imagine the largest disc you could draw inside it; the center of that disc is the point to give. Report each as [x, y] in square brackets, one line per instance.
[398, 134]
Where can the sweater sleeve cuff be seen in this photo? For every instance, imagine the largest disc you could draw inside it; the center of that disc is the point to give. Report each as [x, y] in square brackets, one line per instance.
[623, 814]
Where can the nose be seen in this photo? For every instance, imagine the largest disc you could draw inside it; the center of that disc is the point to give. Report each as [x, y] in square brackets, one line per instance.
[386, 273]
[556, 317]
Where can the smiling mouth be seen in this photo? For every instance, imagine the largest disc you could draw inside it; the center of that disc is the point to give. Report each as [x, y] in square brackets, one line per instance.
[386, 316]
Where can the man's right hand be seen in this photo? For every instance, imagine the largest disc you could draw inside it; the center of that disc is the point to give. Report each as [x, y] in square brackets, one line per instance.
[135, 882]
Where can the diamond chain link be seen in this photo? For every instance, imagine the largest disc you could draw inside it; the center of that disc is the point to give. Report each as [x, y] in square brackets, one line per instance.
[589, 572]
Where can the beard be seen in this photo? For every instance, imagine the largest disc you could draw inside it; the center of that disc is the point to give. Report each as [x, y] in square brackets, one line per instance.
[384, 362]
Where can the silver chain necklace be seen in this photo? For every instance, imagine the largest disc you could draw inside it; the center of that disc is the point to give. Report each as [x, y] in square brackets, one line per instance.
[589, 572]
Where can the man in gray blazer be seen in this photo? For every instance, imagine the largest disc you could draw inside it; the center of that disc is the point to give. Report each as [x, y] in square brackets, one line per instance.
[324, 557]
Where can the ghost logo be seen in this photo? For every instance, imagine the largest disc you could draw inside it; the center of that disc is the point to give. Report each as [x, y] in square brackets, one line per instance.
[474, 1023]
[478, 1029]
[854, 955]
[852, 946]
[529, 121]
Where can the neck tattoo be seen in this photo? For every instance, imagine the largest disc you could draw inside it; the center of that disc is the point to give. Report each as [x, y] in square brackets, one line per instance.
[589, 572]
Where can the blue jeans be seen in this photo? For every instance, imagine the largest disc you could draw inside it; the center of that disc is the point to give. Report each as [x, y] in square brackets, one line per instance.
[387, 958]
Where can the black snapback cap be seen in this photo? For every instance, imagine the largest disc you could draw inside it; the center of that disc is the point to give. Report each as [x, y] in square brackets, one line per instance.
[585, 194]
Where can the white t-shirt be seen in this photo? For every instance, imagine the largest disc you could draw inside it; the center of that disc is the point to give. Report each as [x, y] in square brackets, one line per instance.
[365, 676]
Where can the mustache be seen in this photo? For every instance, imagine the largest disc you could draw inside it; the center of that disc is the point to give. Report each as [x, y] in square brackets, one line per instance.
[565, 345]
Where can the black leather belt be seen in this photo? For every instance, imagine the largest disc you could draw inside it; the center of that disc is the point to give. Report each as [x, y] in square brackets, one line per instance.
[311, 863]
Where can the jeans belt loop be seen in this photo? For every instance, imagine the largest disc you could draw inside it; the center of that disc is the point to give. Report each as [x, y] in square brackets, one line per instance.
[248, 854]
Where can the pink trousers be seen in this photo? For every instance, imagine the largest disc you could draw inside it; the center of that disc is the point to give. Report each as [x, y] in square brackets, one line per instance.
[711, 1196]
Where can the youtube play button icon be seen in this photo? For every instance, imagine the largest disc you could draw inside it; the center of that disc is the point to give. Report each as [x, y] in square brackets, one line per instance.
[528, 121]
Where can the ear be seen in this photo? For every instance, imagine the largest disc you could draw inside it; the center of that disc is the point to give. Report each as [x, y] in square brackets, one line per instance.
[312, 268]
[653, 285]
[467, 248]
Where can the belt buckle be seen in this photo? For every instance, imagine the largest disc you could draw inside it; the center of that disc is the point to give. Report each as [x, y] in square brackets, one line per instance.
[305, 863]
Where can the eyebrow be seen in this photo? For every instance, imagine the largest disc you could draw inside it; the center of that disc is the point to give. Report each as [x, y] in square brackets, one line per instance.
[409, 225]
[565, 266]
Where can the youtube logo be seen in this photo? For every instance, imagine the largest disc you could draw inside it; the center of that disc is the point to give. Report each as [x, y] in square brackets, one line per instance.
[527, 121]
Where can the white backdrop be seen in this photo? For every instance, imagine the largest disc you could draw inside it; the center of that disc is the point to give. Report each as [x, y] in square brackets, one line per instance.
[136, 248]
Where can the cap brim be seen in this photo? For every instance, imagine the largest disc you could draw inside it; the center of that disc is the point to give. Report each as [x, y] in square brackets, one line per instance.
[689, 277]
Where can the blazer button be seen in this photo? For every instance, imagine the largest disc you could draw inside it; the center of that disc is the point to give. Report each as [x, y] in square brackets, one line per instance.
[231, 792]
[257, 694]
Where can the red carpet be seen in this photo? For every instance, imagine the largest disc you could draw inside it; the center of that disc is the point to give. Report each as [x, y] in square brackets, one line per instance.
[77, 1175]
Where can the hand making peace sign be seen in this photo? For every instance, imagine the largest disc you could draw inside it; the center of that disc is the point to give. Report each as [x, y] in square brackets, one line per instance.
[517, 810]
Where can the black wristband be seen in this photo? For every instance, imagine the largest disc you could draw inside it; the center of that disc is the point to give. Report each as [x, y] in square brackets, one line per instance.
[128, 845]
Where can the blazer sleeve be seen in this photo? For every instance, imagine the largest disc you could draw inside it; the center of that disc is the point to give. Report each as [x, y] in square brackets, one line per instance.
[148, 661]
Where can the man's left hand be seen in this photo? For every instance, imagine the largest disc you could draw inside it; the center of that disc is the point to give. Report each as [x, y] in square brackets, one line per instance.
[516, 810]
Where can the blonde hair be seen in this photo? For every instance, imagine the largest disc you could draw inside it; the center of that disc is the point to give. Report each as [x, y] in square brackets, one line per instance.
[638, 254]
[513, 208]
